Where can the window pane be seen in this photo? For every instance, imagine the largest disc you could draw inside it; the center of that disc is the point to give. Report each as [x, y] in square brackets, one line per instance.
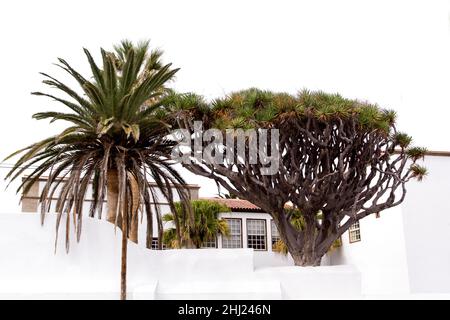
[234, 240]
[256, 234]
[210, 243]
[155, 244]
[354, 232]
[274, 232]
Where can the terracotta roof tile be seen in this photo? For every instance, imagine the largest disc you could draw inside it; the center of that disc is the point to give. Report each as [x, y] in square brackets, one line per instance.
[240, 205]
[236, 204]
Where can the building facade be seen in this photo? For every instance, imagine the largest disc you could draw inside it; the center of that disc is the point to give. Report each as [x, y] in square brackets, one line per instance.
[405, 249]
[250, 227]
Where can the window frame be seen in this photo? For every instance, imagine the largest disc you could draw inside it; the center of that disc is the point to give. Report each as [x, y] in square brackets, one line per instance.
[352, 229]
[155, 240]
[241, 234]
[215, 243]
[272, 225]
[265, 233]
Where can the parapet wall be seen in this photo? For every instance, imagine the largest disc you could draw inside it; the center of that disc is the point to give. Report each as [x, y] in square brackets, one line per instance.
[30, 268]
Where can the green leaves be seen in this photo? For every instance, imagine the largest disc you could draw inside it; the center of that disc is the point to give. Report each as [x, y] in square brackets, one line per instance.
[418, 172]
[123, 91]
[206, 222]
[116, 125]
[416, 153]
[402, 139]
[117, 103]
[144, 91]
[390, 116]
[129, 73]
[96, 72]
[371, 117]
[256, 108]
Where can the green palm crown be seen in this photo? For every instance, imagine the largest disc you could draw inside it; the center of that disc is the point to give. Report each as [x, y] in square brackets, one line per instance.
[115, 124]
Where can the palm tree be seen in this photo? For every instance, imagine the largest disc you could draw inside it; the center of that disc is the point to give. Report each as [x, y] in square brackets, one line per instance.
[116, 140]
[206, 224]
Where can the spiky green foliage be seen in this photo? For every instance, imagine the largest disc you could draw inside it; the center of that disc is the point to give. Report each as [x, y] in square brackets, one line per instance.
[419, 172]
[401, 139]
[253, 108]
[416, 153]
[114, 124]
[206, 226]
[111, 126]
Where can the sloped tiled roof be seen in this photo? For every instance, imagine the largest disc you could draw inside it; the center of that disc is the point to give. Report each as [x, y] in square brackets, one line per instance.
[237, 205]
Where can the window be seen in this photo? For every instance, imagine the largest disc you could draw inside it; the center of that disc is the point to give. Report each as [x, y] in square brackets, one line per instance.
[235, 238]
[210, 243]
[155, 244]
[256, 234]
[274, 232]
[354, 232]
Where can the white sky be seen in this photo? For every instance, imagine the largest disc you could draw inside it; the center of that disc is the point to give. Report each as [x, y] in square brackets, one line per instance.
[394, 53]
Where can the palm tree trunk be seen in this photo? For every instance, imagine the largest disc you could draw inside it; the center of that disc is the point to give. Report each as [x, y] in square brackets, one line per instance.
[122, 223]
[133, 236]
[124, 212]
[123, 268]
[113, 197]
[112, 203]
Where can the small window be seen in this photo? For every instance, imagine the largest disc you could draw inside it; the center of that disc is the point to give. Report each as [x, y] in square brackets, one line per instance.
[234, 240]
[256, 234]
[354, 232]
[155, 244]
[274, 232]
[210, 243]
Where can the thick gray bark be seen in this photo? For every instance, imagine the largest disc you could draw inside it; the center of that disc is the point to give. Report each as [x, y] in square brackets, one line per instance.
[332, 167]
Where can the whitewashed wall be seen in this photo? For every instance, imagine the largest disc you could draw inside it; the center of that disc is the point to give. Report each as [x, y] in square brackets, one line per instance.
[380, 255]
[29, 269]
[407, 249]
[426, 217]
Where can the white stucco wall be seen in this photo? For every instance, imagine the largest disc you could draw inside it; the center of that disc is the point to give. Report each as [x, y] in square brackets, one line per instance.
[380, 255]
[29, 269]
[407, 249]
[426, 217]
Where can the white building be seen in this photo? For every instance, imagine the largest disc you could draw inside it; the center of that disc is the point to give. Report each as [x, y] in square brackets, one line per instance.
[250, 227]
[407, 249]
[401, 250]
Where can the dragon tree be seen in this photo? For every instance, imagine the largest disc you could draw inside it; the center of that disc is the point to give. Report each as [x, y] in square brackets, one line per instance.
[339, 160]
